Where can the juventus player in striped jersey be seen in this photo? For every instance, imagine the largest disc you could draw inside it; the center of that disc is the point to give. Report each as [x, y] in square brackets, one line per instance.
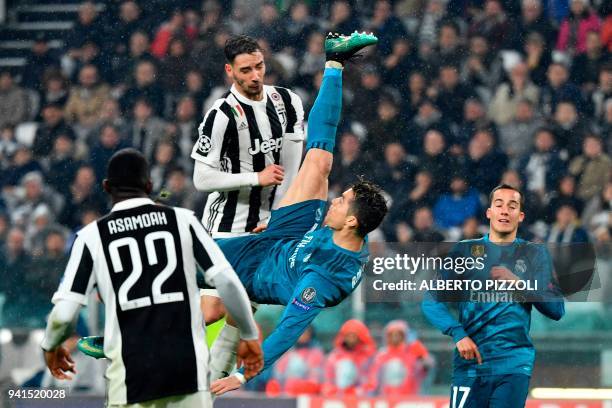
[249, 146]
[142, 257]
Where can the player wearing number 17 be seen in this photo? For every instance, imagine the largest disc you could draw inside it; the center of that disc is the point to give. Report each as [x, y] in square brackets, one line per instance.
[142, 258]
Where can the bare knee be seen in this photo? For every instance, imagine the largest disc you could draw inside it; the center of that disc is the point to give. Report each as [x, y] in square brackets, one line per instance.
[212, 309]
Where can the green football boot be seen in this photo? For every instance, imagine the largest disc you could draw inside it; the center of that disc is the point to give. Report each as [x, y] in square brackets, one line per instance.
[93, 346]
[341, 48]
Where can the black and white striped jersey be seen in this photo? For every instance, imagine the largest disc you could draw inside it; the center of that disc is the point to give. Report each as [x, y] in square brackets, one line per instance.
[239, 135]
[142, 259]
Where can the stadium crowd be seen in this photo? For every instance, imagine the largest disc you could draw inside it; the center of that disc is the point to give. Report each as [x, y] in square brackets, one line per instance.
[458, 96]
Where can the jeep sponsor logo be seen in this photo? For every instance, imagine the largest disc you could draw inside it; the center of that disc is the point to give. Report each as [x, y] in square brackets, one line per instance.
[266, 146]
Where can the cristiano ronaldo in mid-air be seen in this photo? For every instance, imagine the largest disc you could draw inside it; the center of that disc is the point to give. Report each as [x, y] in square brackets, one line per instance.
[307, 259]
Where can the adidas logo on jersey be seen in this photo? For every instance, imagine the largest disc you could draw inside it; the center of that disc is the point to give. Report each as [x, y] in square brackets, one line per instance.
[266, 146]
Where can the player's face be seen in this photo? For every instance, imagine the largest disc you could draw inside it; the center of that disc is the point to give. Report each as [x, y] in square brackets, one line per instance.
[337, 215]
[505, 213]
[247, 72]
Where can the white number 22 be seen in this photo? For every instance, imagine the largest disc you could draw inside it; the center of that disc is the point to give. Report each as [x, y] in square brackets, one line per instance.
[132, 244]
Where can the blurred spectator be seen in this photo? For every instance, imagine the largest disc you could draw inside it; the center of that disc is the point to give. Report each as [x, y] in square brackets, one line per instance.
[86, 100]
[88, 27]
[36, 229]
[492, 23]
[62, 164]
[312, 60]
[348, 164]
[385, 129]
[395, 173]
[402, 60]
[575, 28]
[124, 65]
[348, 364]
[569, 128]
[54, 90]
[485, 161]
[44, 275]
[437, 161]
[21, 164]
[270, 27]
[110, 113]
[428, 118]
[454, 207]
[449, 50]
[39, 61]
[197, 88]
[533, 20]
[481, 69]
[170, 30]
[15, 263]
[605, 125]
[400, 367]
[602, 95]
[187, 128]
[435, 12]
[386, 26]
[537, 58]
[423, 224]
[109, 141]
[90, 54]
[507, 96]
[8, 145]
[182, 192]
[606, 31]
[587, 66]
[204, 52]
[367, 95]
[175, 65]
[126, 25]
[558, 89]
[53, 125]
[474, 119]
[420, 195]
[163, 161]
[299, 371]
[299, 25]
[413, 95]
[145, 129]
[597, 214]
[84, 194]
[470, 229]
[592, 168]
[565, 193]
[516, 136]
[566, 229]
[543, 167]
[342, 18]
[31, 194]
[145, 86]
[452, 94]
[13, 100]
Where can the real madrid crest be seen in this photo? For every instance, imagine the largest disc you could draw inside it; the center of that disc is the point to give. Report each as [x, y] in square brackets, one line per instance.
[520, 267]
[477, 250]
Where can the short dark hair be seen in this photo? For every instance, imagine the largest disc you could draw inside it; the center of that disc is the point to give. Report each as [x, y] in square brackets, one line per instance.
[507, 187]
[240, 44]
[368, 206]
[127, 171]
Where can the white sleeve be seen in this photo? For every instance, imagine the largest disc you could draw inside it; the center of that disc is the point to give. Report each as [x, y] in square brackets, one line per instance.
[78, 280]
[291, 157]
[208, 178]
[298, 128]
[211, 133]
[60, 324]
[219, 273]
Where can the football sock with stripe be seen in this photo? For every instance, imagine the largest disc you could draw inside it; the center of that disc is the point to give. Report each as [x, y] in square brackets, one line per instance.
[223, 352]
[325, 113]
